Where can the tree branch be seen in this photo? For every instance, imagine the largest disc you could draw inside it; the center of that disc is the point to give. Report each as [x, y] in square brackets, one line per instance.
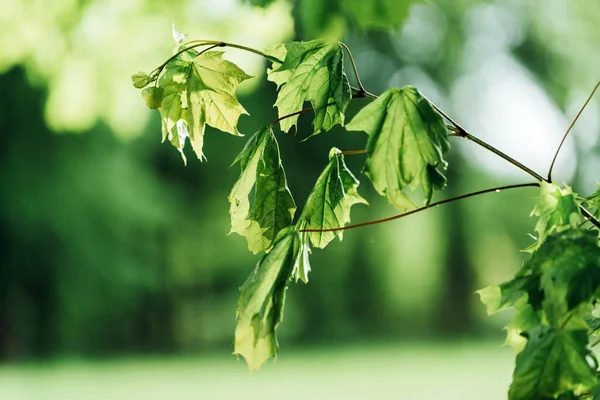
[406, 214]
[569, 130]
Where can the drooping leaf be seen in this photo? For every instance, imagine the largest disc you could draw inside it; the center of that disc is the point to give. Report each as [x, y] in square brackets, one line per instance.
[260, 308]
[198, 89]
[553, 362]
[140, 79]
[312, 71]
[328, 205]
[153, 96]
[406, 146]
[557, 209]
[261, 203]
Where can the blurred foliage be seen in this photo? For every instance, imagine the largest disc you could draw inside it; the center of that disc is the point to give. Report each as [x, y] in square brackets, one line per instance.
[111, 244]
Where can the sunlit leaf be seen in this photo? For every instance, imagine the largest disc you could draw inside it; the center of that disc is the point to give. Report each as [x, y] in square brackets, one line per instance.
[553, 362]
[140, 79]
[328, 205]
[260, 308]
[314, 72]
[199, 89]
[153, 96]
[261, 203]
[406, 146]
[557, 209]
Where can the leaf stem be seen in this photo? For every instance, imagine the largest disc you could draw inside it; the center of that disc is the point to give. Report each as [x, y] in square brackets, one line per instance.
[462, 132]
[290, 115]
[361, 88]
[406, 214]
[566, 321]
[595, 343]
[353, 152]
[192, 44]
[569, 130]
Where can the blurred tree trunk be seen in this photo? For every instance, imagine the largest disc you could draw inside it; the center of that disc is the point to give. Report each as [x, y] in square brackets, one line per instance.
[456, 292]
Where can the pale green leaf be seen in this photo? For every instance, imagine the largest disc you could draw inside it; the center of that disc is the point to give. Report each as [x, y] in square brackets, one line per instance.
[553, 362]
[153, 96]
[260, 308]
[199, 89]
[328, 205]
[261, 203]
[140, 79]
[557, 209]
[312, 71]
[406, 146]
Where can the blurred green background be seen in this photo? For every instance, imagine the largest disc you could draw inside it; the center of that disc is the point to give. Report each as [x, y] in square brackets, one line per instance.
[117, 277]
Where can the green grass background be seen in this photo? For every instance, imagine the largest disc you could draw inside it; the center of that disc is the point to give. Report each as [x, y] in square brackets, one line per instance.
[458, 371]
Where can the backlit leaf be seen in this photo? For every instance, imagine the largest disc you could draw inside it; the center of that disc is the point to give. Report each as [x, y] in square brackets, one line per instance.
[557, 209]
[260, 308]
[553, 362]
[199, 89]
[406, 146]
[328, 205]
[312, 71]
[261, 203]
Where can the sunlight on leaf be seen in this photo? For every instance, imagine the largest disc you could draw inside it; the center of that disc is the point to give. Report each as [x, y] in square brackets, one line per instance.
[406, 146]
[195, 89]
[260, 308]
[261, 202]
[312, 71]
[329, 203]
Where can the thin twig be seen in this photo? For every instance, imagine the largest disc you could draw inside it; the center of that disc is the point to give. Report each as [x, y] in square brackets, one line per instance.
[566, 321]
[595, 343]
[290, 115]
[406, 214]
[360, 85]
[569, 130]
[353, 152]
[462, 132]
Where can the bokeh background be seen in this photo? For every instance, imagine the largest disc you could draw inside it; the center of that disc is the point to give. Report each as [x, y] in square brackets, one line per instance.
[117, 276]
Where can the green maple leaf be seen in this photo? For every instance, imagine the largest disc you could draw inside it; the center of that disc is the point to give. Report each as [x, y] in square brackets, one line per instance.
[328, 205]
[312, 71]
[260, 308]
[569, 266]
[553, 362]
[261, 203]
[557, 209]
[406, 146]
[196, 89]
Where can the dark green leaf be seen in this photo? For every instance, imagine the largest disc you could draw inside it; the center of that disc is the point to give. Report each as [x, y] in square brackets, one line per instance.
[593, 323]
[518, 291]
[199, 89]
[312, 71]
[328, 205]
[260, 308]
[261, 202]
[552, 363]
[569, 266]
[407, 141]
